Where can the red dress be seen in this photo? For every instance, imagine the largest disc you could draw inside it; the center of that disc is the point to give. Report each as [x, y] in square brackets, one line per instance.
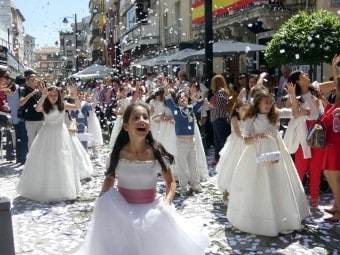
[331, 160]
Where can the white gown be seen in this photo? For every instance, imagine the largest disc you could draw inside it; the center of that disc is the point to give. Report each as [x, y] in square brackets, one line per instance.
[81, 157]
[122, 104]
[156, 118]
[166, 132]
[266, 199]
[94, 129]
[83, 163]
[202, 165]
[229, 157]
[50, 173]
[144, 225]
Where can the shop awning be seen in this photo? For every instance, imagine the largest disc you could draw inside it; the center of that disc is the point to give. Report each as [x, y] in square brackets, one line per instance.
[150, 62]
[226, 49]
[173, 59]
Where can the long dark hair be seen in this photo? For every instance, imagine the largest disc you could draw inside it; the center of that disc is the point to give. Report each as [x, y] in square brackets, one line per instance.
[293, 78]
[236, 106]
[47, 106]
[159, 151]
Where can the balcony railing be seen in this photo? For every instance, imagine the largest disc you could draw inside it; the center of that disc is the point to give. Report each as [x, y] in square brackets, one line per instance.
[172, 35]
[141, 34]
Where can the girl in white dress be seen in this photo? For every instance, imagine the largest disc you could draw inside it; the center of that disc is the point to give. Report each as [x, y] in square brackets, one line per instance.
[129, 216]
[81, 157]
[94, 129]
[122, 103]
[266, 194]
[232, 149]
[157, 112]
[50, 173]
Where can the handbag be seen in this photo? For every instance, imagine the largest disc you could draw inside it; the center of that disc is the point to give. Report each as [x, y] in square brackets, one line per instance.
[316, 137]
[268, 158]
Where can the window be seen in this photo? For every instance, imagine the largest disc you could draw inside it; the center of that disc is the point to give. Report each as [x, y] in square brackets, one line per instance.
[335, 3]
[131, 18]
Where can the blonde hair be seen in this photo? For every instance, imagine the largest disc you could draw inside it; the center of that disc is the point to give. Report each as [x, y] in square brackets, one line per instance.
[218, 82]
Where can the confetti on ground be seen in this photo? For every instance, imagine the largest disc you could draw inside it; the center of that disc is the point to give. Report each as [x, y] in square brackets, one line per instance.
[59, 228]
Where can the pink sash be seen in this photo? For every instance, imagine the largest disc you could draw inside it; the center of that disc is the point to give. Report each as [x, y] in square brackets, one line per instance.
[138, 196]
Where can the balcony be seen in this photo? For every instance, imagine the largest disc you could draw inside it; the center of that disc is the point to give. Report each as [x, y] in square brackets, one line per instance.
[140, 35]
[172, 35]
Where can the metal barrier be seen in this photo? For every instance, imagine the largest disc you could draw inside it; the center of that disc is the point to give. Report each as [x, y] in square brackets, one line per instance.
[6, 230]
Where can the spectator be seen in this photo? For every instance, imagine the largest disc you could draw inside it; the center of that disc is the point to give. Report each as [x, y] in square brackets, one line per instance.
[21, 142]
[28, 99]
[219, 116]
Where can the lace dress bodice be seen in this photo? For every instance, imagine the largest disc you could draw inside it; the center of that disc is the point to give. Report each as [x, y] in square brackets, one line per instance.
[54, 117]
[265, 147]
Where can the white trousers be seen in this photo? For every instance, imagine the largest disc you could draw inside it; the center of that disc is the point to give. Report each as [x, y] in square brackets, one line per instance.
[32, 128]
[186, 162]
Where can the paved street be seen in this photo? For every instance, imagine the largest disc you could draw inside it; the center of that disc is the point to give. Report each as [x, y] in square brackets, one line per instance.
[59, 228]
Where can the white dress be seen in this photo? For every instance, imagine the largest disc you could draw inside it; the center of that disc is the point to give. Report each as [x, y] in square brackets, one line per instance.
[135, 221]
[166, 133]
[202, 165]
[49, 173]
[156, 118]
[94, 129]
[82, 161]
[266, 198]
[229, 157]
[122, 105]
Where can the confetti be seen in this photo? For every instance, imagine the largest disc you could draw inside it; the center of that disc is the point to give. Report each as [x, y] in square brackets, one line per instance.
[60, 227]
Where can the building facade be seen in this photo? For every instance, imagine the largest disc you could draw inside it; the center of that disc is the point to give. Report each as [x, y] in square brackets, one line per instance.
[48, 63]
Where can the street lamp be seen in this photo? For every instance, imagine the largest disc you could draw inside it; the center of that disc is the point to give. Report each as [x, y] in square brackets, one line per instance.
[75, 33]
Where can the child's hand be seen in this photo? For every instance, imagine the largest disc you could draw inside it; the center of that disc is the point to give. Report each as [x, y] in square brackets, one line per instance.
[207, 104]
[290, 89]
[44, 92]
[304, 112]
[336, 60]
[336, 111]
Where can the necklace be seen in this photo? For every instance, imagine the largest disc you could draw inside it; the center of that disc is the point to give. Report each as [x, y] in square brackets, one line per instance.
[186, 113]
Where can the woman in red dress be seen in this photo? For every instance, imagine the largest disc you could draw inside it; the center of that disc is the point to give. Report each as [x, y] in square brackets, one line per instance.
[331, 162]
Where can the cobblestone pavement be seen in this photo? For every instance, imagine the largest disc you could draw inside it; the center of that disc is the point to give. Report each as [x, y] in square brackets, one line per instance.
[59, 228]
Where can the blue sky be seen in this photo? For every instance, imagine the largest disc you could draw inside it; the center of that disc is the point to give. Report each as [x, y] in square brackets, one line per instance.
[43, 18]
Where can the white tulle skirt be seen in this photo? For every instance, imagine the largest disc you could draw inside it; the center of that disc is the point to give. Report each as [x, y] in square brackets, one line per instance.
[115, 131]
[49, 173]
[95, 130]
[81, 158]
[229, 157]
[266, 199]
[166, 136]
[120, 228]
[202, 165]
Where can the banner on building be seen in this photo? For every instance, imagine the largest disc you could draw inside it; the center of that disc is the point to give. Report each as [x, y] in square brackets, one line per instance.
[220, 7]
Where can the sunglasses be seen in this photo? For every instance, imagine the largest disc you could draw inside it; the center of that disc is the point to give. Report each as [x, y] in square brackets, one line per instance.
[6, 77]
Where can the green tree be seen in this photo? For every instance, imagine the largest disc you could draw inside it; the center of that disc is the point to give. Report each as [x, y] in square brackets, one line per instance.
[306, 38]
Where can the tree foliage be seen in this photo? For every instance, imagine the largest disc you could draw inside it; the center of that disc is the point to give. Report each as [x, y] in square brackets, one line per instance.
[305, 38]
